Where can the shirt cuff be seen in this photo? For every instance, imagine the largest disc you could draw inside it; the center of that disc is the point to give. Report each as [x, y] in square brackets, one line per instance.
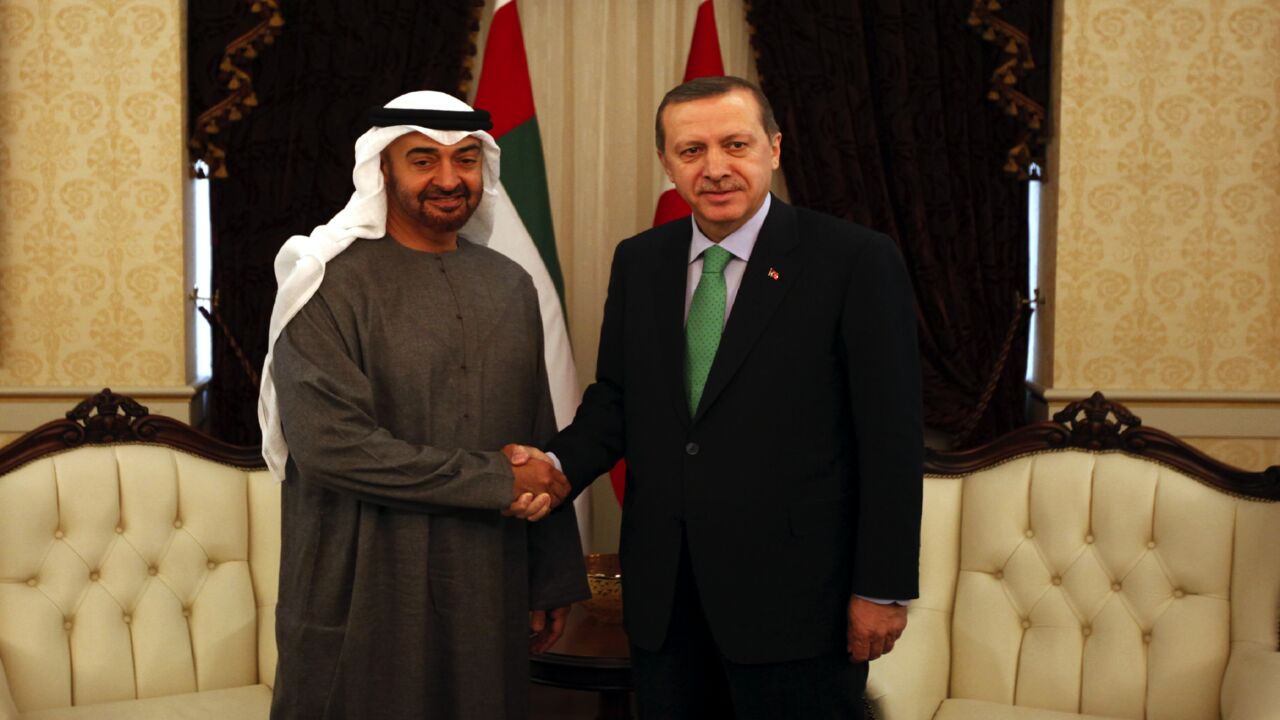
[882, 601]
[555, 461]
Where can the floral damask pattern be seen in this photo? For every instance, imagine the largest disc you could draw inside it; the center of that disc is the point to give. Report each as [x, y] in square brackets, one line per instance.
[91, 177]
[1169, 195]
[1245, 453]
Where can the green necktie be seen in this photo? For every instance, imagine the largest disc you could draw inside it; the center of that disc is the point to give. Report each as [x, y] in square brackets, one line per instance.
[706, 322]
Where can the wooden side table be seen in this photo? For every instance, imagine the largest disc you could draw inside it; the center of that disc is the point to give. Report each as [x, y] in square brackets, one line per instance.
[591, 656]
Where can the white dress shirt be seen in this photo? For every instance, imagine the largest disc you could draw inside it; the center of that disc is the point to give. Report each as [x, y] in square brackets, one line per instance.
[739, 243]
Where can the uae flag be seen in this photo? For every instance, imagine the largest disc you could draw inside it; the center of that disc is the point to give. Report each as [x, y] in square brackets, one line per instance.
[522, 219]
[704, 61]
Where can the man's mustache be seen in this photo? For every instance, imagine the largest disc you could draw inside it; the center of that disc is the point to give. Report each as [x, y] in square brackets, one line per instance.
[432, 192]
[724, 187]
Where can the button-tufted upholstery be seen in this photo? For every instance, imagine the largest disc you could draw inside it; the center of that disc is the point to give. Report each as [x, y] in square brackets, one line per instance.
[1070, 583]
[137, 573]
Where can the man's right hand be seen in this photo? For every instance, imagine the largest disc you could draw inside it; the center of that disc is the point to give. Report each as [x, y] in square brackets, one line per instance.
[538, 488]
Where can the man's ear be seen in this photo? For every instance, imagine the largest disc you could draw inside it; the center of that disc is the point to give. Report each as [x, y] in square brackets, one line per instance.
[662, 158]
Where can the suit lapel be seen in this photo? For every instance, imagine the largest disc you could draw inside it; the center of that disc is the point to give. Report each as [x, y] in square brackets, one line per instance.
[769, 274]
[670, 281]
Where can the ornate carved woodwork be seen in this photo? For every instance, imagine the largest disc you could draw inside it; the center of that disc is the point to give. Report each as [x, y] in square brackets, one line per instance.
[1100, 425]
[108, 418]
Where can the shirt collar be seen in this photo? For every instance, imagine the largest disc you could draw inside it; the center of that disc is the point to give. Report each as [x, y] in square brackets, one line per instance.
[739, 243]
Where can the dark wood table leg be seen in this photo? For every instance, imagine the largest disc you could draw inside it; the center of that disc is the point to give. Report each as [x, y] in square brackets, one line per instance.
[614, 705]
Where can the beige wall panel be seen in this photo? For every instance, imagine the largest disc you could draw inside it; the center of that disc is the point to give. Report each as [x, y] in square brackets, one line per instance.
[91, 182]
[1168, 174]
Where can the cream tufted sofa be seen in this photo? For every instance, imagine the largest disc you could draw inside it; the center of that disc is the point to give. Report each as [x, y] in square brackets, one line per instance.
[139, 562]
[1090, 567]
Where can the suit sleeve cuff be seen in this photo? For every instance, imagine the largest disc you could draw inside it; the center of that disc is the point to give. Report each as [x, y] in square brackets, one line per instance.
[883, 601]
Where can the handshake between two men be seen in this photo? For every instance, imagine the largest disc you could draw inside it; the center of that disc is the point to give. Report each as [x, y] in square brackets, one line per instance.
[539, 487]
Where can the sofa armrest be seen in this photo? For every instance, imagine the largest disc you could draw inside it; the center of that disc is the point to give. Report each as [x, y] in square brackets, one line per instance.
[8, 711]
[1251, 687]
[912, 681]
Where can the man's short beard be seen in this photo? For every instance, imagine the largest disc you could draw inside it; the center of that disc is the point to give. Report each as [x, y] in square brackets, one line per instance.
[416, 208]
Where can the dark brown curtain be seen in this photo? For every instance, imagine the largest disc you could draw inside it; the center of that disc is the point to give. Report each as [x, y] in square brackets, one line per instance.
[887, 121]
[289, 158]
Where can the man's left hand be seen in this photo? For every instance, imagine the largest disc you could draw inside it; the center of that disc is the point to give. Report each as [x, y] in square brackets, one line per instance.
[873, 628]
[546, 627]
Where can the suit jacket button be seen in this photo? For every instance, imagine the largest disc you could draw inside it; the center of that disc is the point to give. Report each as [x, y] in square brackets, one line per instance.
[691, 448]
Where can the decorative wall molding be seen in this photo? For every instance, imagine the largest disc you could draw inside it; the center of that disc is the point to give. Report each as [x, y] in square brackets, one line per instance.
[23, 408]
[1186, 413]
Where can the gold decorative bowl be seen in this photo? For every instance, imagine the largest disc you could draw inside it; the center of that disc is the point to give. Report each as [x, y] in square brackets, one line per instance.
[604, 576]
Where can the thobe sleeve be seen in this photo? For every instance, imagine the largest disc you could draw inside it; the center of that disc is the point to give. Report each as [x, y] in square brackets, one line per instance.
[326, 410]
[557, 573]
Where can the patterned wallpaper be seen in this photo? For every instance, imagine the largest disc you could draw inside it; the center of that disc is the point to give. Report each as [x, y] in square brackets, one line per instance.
[91, 177]
[1169, 195]
[1247, 453]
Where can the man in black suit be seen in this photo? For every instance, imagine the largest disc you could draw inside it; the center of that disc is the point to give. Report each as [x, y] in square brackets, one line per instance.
[758, 368]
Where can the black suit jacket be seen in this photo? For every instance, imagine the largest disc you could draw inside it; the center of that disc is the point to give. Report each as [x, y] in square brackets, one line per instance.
[798, 481]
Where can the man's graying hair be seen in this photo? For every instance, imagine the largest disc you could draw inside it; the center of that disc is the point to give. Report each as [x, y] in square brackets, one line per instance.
[706, 87]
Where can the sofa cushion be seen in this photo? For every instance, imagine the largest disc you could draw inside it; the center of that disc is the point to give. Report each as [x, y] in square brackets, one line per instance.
[243, 703]
[982, 710]
[1095, 582]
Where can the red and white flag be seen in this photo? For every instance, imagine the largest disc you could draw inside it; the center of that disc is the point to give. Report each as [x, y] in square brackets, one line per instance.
[704, 61]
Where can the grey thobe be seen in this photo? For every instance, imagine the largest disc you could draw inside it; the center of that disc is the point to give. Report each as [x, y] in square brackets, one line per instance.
[403, 592]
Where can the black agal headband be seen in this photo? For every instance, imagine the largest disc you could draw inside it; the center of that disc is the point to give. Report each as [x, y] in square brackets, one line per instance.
[433, 119]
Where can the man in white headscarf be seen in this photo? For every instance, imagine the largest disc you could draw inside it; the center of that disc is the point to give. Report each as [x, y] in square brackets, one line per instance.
[404, 353]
